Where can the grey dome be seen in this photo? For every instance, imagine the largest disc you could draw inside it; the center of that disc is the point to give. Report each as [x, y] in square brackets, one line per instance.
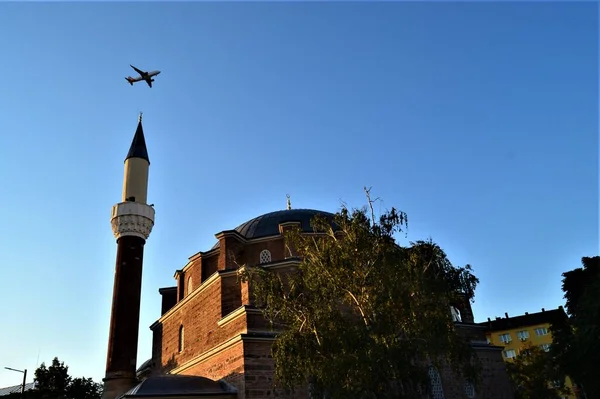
[176, 385]
[268, 224]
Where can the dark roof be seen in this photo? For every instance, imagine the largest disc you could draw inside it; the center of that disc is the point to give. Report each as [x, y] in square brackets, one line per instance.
[174, 385]
[526, 320]
[138, 145]
[16, 389]
[268, 224]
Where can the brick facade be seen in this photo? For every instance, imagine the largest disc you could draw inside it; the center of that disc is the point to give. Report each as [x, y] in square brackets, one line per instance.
[225, 337]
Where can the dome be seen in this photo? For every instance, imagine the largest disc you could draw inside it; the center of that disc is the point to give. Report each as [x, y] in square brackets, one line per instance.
[175, 385]
[268, 224]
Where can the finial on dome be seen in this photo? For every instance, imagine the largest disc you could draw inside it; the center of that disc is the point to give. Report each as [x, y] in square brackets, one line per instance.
[140, 116]
[289, 203]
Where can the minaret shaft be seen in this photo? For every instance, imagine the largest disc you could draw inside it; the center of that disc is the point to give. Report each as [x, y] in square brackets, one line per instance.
[135, 180]
[125, 315]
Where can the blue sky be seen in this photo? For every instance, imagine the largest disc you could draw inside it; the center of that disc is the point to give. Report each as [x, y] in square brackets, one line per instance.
[480, 120]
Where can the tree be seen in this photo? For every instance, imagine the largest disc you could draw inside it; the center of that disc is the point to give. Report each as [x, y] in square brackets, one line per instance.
[576, 342]
[84, 388]
[55, 382]
[362, 316]
[52, 380]
[536, 376]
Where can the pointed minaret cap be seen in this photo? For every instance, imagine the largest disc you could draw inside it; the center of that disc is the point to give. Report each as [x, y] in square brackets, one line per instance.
[138, 145]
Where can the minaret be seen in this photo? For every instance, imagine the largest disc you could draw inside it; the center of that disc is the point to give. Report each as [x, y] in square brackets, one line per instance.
[132, 220]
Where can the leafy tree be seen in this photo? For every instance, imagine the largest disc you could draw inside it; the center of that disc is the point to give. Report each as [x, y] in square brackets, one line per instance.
[55, 382]
[84, 388]
[536, 375]
[362, 316]
[576, 342]
[52, 380]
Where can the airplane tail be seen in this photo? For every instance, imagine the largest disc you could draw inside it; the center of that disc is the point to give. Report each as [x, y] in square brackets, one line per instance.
[129, 80]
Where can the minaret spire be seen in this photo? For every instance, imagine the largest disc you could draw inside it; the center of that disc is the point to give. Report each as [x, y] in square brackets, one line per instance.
[289, 202]
[132, 221]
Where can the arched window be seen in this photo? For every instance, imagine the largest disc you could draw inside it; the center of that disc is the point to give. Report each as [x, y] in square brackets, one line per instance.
[265, 256]
[469, 390]
[181, 338]
[437, 391]
[190, 287]
[455, 312]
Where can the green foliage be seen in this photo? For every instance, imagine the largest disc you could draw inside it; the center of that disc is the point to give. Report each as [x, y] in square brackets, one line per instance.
[55, 382]
[536, 375]
[362, 316]
[576, 342]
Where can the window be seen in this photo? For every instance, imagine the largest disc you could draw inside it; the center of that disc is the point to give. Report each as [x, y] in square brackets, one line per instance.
[437, 391]
[541, 331]
[545, 347]
[265, 256]
[505, 338]
[469, 390]
[455, 314]
[190, 287]
[510, 354]
[523, 335]
[180, 338]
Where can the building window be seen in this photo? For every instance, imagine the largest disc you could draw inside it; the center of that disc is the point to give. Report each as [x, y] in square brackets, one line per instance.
[455, 314]
[523, 335]
[190, 287]
[265, 256]
[545, 347]
[541, 331]
[180, 338]
[469, 390]
[437, 391]
[510, 354]
[505, 338]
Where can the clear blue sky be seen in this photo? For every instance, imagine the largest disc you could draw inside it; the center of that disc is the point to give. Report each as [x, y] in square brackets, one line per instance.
[478, 120]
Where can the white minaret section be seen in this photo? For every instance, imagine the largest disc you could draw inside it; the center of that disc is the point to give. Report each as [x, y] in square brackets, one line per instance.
[132, 216]
[132, 219]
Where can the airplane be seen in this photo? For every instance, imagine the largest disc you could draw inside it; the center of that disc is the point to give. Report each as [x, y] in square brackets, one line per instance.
[147, 76]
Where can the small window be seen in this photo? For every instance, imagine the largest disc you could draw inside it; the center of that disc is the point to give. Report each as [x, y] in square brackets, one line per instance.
[265, 256]
[510, 354]
[455, 314]
[523, 335]
[545, 347]
[180, 338]
[190, 286]
[469, 390]
[505, 338]
[437, 391]
[541, 331]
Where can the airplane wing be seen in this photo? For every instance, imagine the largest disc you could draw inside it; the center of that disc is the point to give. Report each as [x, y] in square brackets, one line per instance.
[149, 81]
[137, 70]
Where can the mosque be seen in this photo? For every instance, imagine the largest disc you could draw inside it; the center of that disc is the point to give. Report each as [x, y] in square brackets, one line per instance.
[210, 341]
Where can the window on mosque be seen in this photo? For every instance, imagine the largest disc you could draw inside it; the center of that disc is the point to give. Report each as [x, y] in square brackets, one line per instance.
[541, 331]
[469, 390]
[505, 338]
[437, 391]
[510, 354]
[265, 256]
[180, 338]
[190, 286]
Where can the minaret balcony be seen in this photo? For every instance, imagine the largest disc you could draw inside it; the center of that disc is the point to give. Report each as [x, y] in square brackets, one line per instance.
[132, 219]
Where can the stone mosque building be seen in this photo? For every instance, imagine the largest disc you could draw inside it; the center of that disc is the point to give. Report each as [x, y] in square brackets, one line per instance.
[210, 341]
